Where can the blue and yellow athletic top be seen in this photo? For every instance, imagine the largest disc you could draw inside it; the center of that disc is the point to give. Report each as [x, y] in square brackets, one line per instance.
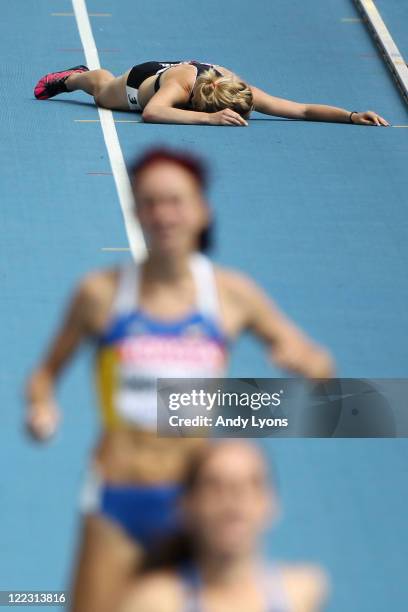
[136, 349]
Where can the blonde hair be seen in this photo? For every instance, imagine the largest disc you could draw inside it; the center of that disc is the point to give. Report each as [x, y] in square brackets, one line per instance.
[212, 93]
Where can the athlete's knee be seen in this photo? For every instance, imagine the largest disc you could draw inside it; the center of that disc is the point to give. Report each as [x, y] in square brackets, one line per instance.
[104, 75]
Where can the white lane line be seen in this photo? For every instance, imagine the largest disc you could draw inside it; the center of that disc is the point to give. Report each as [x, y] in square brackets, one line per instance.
[120, 175]
[386, 43]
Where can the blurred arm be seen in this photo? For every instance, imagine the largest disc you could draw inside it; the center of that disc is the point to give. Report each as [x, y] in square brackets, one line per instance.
[290, 348]
[42, 413]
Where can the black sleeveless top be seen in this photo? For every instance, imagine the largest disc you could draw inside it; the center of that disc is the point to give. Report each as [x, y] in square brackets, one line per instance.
[140, 72]
[201, 67]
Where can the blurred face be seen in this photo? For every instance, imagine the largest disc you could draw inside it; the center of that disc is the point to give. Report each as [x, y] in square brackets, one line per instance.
[230, 503]
[170, 207]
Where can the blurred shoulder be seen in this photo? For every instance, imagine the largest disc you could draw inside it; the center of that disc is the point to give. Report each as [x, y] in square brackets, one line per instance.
[96, 282]
[234, 280]
[94, 296]
[307, 586]
[155, 592]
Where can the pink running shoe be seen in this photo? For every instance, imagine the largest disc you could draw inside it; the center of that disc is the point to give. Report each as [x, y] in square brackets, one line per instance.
[53, 83]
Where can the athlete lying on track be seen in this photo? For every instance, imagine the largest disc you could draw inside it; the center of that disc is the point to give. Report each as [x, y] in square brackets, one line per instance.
[189, 92]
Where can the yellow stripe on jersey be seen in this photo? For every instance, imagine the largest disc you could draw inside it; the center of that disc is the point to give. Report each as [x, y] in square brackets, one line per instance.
[106, 381]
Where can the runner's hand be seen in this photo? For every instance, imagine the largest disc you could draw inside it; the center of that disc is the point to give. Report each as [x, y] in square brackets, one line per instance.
[369, 118]
[42, 420]
[227, 117]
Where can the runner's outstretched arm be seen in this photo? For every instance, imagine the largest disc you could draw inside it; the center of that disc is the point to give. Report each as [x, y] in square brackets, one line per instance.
[270, 105]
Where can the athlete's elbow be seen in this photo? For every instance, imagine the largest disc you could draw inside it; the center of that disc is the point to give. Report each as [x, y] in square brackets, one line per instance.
[148, 115]
[152, 113]
[158, 113]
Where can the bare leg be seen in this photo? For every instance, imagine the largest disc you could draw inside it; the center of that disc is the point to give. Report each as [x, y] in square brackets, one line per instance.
[106, 563]
[108, 91]
[90, 82]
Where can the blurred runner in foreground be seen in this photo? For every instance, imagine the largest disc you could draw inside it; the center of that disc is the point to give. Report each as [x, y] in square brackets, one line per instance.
[227, 504]
[174, 315]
